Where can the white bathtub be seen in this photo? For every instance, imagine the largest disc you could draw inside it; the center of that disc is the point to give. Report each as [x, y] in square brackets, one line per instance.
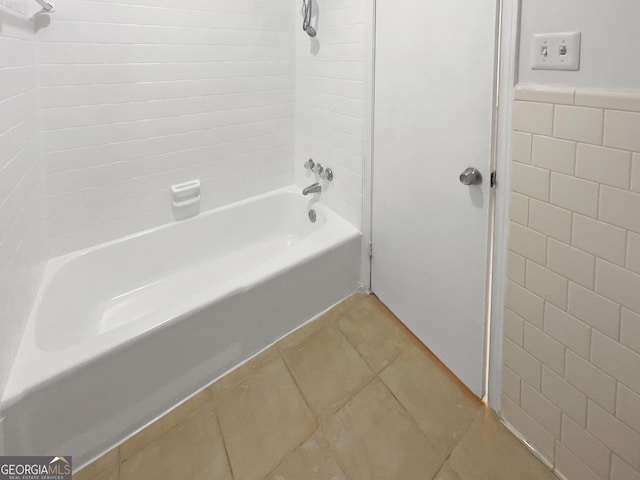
[123, 331]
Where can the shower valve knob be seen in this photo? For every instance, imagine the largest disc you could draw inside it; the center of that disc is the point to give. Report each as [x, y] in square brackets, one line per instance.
[309, 164]
[317, 168]
[327, 175]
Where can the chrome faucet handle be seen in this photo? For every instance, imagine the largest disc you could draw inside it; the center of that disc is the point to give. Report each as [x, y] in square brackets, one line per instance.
[317, 169]
[309, 164]
[327, 174]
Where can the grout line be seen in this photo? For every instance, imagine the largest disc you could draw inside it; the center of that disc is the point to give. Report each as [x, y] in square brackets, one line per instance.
[224, 441]
[313, 413]
[462, 437]
[419, 344]
[288, 455]
[319, 421]
[166, 117]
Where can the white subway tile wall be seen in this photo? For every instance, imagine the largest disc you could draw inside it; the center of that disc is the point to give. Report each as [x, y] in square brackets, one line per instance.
[22, 238]
[572, 324]
[330, 73]
[141, 94]
[112, 102]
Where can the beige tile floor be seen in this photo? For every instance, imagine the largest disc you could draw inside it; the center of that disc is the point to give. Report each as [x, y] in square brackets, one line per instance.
[351, 396]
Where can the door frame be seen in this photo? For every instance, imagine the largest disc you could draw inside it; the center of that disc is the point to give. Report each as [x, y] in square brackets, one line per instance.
[367, 142]
[507, 69]
[508, 13]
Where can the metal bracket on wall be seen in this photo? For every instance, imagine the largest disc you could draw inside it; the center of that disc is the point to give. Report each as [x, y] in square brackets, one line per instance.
[46, 6]
[493, 179]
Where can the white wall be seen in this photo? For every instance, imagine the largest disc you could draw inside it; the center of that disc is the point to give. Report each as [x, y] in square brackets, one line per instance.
[142, 94]
[610, 41]
[21, 193]
[330, 103]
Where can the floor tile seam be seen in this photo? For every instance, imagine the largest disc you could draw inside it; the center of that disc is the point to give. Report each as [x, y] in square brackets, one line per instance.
[171, 429]
[250, 374]
[415, 342]
[364, 360]
[320, 427]
[390, 316]
[157, 438]
[286, 456]
[304, 398]
[351, 397]
[235, 384]
[325, 324]
[402, 406]
[119, 446]
[415, 420]
[387, 366]
[119, 461]
[323, 421]
[294, 450]
[299, 447]
[417, 425]
[356, 392]
[457, 444]
[282, 349]
[224, 440]
[402, 409]
[353, 345]
[320, 329]
[350, 342]
[442, 372]
[502, 422]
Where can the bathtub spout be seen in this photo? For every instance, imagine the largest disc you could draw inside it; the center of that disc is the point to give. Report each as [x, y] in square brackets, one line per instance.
[315, 188]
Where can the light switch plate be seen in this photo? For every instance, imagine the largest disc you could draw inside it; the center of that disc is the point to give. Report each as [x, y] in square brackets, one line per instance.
[555, 51]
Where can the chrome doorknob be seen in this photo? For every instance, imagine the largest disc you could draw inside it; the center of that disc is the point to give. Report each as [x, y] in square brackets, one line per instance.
[471, 176]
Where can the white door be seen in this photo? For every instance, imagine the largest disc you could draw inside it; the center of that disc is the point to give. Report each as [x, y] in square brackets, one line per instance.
[434, 91]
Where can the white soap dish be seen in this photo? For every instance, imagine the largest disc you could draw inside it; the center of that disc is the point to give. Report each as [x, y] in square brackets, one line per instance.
[185, 199]
[185, 194]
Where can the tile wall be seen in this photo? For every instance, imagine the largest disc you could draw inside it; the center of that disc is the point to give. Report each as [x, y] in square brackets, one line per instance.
[110, 103]
[22, 242]
[572, 324]
[141, 94]
[330, 106]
